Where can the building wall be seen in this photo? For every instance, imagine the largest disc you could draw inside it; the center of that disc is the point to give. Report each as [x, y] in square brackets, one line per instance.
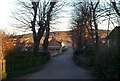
[54, 47]
[113, 37]
[54, 50]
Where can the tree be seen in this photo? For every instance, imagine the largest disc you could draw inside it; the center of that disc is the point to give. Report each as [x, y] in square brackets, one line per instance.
[6, 44]
[45, 46]
[80, 24]
[115, 7]
[85, 20]
[94, 7]
[35, 35]
[37, 17]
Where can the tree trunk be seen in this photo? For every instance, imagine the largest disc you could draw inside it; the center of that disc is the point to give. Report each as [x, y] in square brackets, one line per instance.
[95, 23]
[36, 47]
[91, 28]
[45, 47]
[96, 31]
[37, 41]
[80, 39]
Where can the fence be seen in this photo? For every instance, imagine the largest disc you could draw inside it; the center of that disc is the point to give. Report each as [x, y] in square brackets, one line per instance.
[2, 69]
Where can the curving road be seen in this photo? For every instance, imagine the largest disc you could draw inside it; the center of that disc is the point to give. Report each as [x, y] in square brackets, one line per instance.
[61, 67]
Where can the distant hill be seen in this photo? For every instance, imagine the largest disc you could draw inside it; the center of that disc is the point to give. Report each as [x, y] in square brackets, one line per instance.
[58, 35]
[103, 33]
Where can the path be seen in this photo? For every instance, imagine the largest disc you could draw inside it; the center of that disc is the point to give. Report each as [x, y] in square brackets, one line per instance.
[61, 67]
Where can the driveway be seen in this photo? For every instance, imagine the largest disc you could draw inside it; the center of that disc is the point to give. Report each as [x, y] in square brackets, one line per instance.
[61, 67]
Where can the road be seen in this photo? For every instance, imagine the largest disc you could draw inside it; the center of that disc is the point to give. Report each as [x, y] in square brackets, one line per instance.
[61, 67]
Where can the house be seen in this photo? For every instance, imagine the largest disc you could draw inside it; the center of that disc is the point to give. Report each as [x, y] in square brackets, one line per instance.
[113, 38]
[62, 36]
[67, 44]
[54, 47]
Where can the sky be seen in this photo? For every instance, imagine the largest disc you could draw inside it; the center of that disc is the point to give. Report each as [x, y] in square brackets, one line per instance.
[6, 22]
[6, 8]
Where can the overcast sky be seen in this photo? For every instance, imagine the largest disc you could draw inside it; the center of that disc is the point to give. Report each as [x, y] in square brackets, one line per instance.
[7, 6]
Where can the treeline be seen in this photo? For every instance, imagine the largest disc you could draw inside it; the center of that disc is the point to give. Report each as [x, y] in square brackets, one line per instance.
[89, 47]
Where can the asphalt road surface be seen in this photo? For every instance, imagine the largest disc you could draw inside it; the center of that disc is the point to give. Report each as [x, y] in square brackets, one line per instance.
[61, 67]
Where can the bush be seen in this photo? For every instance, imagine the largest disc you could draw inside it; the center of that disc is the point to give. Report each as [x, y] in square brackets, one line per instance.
[19, 64]
[86, 59]
[107, 63]
[64, 49]
[46, 54]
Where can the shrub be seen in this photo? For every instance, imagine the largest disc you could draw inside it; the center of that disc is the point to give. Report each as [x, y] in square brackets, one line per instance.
[18, 64]
[86, 59]
[107, 63]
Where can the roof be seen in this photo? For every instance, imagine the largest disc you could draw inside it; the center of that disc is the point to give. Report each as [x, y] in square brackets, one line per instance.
[54, 42]
[114, 33]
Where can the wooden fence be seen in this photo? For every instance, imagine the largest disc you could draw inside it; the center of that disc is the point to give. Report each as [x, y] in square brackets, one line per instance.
[2, 69]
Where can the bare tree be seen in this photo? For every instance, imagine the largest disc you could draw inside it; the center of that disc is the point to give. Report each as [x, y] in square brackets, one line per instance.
[81, 23]
[94, 7]
[86, 21]
[45, 46]
[115, 7]
[37, 17]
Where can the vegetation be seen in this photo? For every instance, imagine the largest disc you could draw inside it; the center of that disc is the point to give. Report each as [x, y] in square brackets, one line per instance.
[105, 62]
[86, 59]
[102, 59]
[64, 49]
[19, 61]
[37, 16]
[19, 64]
